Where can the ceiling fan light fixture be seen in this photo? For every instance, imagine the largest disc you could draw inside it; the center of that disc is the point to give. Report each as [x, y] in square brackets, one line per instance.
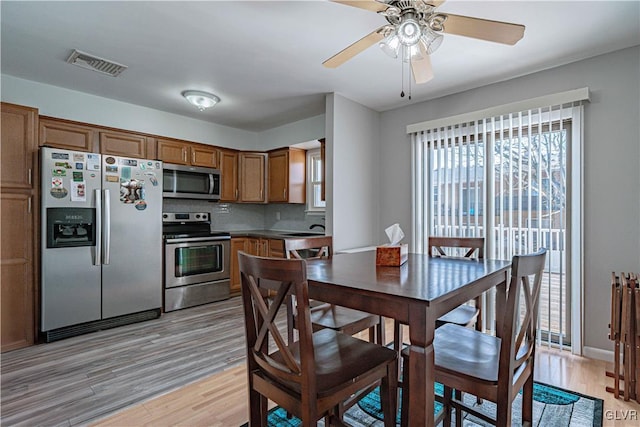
[390, 45]
[409, 31]
[201, 100]
[411, 53]
[431, 40]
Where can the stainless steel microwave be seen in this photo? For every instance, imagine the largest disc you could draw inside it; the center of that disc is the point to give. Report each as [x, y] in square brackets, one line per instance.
[190, 182]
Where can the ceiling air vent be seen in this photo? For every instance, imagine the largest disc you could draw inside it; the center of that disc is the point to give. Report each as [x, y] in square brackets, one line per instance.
[90, 62]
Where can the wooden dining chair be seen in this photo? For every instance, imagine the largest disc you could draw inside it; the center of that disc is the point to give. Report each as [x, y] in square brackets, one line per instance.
[466, 314]
[310, 377]
[325, 315]
[491, 367]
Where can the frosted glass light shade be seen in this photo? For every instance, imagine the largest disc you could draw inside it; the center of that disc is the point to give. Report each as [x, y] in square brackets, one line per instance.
[201, 100]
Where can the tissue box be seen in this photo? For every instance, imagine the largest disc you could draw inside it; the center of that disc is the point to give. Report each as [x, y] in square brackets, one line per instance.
[395, 255]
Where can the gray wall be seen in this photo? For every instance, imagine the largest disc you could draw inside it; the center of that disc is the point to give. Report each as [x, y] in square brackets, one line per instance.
[611, 164]
[352, 173]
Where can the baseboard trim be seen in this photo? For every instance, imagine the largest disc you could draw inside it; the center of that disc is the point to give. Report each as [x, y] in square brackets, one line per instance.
[598, 354]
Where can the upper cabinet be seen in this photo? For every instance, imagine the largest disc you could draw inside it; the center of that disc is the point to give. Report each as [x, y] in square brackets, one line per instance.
[126, 144]
[69, 135]
[228, 165]
[252, 177]
[287, 175]
[18, 146]
[187, 153]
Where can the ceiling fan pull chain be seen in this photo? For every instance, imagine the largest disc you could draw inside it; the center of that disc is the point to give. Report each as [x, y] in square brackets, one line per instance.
[409, 77]
[402, 75]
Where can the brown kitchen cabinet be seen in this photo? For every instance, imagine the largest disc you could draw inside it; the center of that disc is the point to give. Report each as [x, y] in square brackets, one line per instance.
[255, 246]
[67, 135]
[237, 244]
[252, 177]
[125, 144]
[187, 153]
[18, 194]
[229, 176]
[287, 175]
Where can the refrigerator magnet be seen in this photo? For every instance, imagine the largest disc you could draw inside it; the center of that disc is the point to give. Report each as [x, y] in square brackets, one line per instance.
[79, 166]
[78, 192]
[112, 178]
[77, 176]
[140, 205]
[78, 157]
[56, 182]
[59, 156]
[59, 171]
[59, 193]
[93, 162]
[125, 172]
[152, 178]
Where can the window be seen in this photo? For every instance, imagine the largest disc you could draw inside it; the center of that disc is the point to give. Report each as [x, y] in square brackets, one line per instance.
[315, 170]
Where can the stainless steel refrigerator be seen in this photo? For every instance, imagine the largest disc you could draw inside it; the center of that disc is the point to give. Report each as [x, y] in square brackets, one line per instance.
[101, 241]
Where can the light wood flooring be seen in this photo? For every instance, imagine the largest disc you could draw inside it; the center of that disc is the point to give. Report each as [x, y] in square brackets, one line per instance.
[187, 369]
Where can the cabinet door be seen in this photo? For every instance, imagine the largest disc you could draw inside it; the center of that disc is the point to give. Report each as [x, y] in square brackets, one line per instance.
[229, 176]
[16, 294]
[278, 175]
[18, 146]
[68, 136]
[172, 151]
[276, 248]
[123, 144]
[205, 156]
[237, 244]
[252, 170]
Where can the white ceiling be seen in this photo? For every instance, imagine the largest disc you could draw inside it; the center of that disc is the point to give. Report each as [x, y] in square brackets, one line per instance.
[264, 58]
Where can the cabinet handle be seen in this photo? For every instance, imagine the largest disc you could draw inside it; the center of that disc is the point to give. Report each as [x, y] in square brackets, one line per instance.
[236, 194]
[184, 155]
[29, 176]
[284, 193]
[29, 205]
[193, 157]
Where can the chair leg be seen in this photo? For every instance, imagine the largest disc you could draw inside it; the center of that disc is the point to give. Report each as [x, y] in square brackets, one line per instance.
[527, 401]
[446, 403]
[389, 395]
[458, 397]
[404, 408]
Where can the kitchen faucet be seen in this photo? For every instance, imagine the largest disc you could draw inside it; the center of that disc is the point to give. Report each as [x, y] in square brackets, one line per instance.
[316, 225]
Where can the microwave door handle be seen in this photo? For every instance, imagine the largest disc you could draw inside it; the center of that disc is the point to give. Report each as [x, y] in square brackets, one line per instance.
[107, 227]
[98, 228]
[211, 183]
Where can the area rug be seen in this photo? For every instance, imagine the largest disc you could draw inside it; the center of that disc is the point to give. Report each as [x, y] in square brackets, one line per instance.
[552, 406]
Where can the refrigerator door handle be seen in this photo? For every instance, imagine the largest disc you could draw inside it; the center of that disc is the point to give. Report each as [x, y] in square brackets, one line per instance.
[107, 228]
[98, 254]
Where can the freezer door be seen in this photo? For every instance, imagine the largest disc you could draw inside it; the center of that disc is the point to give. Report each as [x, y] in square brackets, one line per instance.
[70, 262]
[132, 236]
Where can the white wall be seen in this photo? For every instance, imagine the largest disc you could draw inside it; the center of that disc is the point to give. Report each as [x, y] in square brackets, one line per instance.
[352, 161]
[611, 159]
[292, 133]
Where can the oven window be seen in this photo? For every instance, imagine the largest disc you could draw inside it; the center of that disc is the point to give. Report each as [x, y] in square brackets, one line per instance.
[194, 260]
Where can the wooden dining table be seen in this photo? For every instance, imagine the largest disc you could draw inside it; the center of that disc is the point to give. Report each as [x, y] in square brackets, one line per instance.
[415, 293]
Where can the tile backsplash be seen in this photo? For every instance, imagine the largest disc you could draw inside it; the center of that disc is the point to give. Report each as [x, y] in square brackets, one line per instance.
[241, 216]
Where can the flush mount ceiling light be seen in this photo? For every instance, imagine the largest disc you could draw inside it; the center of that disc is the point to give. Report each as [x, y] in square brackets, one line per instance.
[202, 100]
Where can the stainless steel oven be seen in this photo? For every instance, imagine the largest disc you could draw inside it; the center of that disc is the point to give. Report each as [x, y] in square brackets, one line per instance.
[196, 261]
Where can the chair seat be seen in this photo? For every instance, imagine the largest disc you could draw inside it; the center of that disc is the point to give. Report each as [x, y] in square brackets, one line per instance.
[465, 351]
[463, 315]
[342, 319]
[339, 359]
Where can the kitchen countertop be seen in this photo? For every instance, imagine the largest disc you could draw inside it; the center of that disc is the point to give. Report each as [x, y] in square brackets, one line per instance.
[274, 234]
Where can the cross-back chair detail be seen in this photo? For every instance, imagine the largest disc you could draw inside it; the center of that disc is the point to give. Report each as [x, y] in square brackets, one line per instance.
[302, 376]
[497, 367]
[324, 315]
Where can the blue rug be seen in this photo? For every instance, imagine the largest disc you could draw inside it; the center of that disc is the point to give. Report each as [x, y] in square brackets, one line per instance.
[552, 406]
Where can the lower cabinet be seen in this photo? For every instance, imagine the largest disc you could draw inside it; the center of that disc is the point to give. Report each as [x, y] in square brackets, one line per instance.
[255, 246]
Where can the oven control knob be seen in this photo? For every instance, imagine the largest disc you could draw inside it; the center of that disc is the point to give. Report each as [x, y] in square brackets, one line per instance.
[197, 216]
[165, 216]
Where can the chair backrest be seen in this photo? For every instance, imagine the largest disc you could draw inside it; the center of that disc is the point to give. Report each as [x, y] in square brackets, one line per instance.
[324, 245]
[519, 324]
[474, 244]
[284, 277]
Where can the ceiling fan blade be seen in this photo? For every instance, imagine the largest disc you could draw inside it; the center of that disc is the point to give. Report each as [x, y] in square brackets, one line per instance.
[421, 68]
[484, 29]
[350, 51]
[372, 5]
[435, 3]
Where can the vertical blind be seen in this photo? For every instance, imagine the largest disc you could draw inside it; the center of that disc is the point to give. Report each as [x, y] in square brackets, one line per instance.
[503, 177]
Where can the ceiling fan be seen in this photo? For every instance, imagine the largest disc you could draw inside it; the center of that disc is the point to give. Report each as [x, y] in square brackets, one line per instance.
[415, 30]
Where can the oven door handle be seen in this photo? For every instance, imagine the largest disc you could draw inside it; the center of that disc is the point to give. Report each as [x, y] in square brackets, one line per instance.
[198, 239]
